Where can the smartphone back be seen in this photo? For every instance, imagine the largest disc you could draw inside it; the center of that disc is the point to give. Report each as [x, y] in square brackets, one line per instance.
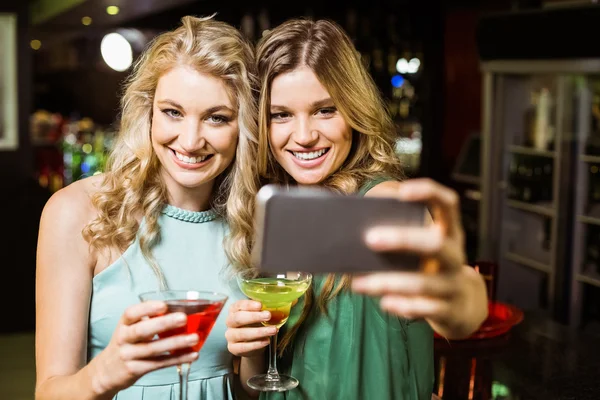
[314, 230]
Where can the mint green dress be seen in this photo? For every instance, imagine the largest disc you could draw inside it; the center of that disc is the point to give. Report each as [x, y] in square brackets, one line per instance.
[357, 351]
[191, 256]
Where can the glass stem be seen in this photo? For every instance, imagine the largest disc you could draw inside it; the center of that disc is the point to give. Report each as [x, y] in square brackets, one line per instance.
[184, 373]
[272, 374]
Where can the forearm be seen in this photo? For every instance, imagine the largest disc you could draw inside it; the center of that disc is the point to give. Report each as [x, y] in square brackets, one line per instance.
[83, 385]
[250, 366]
[462, 323]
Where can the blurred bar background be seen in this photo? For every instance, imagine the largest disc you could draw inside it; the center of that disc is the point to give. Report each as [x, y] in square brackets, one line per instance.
[499, 99]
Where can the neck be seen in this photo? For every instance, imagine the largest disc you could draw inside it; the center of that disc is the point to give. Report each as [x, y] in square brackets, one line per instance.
[191, 199]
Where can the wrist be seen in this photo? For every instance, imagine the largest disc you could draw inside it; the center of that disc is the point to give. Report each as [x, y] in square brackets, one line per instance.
[99, 383]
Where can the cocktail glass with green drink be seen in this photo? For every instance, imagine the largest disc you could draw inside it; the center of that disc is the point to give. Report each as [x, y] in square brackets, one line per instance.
[276, 292]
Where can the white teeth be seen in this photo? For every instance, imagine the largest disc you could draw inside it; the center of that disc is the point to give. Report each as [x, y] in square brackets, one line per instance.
[190, 160]
[309, 156]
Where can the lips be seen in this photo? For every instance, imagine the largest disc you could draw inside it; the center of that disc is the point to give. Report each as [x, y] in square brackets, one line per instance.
[309, 159]
[190, 162]
[309, 155]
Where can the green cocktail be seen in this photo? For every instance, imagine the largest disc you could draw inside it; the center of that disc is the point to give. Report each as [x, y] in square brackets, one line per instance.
[276, 296]
[276, 292]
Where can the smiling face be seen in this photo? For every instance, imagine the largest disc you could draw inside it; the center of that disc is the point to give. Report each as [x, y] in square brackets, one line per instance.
[194, 129]
[308, 136]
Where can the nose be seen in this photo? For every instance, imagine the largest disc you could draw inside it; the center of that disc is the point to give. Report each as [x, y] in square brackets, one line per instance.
[191, 137]
[304, 134]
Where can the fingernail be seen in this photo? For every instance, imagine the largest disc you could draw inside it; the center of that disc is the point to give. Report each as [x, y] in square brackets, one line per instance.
[266, 315]
[373, 237]
[192, 339]
[193, 355]
[358, 283]
[273, 331]
[179, 317]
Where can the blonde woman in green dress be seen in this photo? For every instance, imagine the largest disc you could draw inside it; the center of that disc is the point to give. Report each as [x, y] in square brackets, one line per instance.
[322, 121]
[156, 218]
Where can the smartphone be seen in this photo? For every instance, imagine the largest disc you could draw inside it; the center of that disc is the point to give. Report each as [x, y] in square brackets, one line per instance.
[314, 230]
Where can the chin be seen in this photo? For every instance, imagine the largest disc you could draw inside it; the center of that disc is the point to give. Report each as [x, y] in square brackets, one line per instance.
[192, 182]
[311, 178]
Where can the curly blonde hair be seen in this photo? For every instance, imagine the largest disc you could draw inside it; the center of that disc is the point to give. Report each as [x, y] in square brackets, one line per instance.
[132, 185]
[324, 47]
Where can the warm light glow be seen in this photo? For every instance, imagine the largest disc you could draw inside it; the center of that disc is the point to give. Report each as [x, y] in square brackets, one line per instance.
[87, 148]
[112, 10]
[404, 66]
[116, 52]
[86, 20]
[35, 44]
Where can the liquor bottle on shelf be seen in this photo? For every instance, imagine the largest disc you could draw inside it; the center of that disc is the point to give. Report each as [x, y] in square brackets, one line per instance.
[592, 250]
[247, 27]
[592, 145]
[537, 122]
[544, 129]
[530, 179]
[529, 120]
[514, 180]
[593, 206]
[547, 180]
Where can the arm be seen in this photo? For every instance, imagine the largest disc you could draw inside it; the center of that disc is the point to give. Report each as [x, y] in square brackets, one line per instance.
[448, 294]
[250, 366]
[63, 290]
[65, 270]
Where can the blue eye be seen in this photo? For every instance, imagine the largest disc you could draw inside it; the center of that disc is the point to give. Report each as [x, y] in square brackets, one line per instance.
[172, 113]
[281, 115]
[327, 111]
[219, 119]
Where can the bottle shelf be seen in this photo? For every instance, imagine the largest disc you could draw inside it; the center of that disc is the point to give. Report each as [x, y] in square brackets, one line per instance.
[584, 219]
[527, 262]
[590, 279]
[541, 209]
[530, 151]
[589, 159]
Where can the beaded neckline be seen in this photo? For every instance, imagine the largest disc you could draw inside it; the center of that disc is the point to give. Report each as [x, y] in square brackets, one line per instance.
[189, 216]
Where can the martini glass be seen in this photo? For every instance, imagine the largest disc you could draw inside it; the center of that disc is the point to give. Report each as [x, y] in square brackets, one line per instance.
[276, 292]
[202, 310]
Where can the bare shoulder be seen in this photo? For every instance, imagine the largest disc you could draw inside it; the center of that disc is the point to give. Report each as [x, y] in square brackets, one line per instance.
[71, 207]
[384, 189]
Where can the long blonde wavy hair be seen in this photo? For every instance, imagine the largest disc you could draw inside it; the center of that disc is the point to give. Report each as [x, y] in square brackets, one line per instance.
[132, 186]
[324, 47]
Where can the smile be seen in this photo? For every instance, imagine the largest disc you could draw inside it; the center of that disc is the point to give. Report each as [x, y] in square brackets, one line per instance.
[312, 155]
[191, 160]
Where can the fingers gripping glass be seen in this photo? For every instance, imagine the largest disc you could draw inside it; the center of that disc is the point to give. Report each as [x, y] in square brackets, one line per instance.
[202, 310]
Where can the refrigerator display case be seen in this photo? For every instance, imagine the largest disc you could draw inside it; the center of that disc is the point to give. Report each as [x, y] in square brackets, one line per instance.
[540, 185]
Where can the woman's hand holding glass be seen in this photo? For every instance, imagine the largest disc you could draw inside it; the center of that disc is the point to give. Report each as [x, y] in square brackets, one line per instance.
[246, 336]
[132, 352]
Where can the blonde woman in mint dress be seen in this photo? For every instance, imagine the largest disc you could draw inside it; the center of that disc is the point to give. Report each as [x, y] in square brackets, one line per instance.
[155, 219]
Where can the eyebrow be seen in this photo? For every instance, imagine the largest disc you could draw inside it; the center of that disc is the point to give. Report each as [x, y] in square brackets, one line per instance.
[170, 102]
[221, 107]
[211, 110]
[321, 103]
[317, 104]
